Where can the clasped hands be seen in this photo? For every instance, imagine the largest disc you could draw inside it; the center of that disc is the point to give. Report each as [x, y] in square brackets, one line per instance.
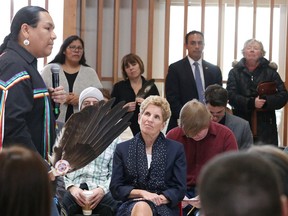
[81, 199]
[153, 197]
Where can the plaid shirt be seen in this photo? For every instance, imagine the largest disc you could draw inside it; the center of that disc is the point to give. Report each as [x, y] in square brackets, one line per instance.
[95, 174]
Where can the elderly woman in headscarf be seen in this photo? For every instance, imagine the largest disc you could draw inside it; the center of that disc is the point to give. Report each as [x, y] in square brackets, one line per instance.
[149, 171]
[244, 84]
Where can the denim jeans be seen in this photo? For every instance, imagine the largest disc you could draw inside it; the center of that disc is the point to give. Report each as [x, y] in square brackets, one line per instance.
[54, 209]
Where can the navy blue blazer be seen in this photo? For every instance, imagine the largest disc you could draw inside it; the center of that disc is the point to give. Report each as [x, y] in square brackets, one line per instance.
[180, 85]
[175, 173]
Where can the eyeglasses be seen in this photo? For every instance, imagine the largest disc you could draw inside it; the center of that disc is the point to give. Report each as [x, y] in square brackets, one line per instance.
[74, 48]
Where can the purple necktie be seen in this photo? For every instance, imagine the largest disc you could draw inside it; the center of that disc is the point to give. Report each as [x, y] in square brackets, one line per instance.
[199, 85]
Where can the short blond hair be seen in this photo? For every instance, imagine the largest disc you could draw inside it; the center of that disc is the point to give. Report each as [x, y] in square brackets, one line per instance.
[157, 101]
[194, 117]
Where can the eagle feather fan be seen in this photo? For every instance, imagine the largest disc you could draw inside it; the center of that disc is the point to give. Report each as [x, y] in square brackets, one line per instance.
[89, 132]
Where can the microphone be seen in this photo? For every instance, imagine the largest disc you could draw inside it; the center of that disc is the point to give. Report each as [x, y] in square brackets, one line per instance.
[55, 69]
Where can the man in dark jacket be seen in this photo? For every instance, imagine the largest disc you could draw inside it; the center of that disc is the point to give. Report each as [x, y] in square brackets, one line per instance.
[181, 85]
[216, 98]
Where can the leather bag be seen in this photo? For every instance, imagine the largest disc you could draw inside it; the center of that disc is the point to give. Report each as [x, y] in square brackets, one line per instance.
[266, 88]
[263, 89]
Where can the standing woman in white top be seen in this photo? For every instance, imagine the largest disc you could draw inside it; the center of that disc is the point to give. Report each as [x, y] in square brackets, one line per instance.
[75, 75]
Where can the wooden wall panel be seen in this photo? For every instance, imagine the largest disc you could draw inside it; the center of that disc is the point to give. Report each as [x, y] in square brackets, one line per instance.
[133, 26]
[254, 17]
[185, 24]
[166, 36]
[47, 8]
[220, 32]
[11, 9]
[99, 38]
[285, 117]
[150, 39]
[236, 28]
[271, 28]
[70, 18]
[203, 2]
[82, 18]
[116, 40]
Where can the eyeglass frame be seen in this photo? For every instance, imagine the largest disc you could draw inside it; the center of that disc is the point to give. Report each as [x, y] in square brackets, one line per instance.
[74, 48]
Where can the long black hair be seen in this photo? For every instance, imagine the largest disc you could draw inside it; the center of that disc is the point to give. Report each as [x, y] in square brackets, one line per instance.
[60, 57]
[28, 15]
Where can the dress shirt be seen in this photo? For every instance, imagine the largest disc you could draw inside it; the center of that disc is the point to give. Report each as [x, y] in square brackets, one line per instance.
[97, 173]
[191, 61]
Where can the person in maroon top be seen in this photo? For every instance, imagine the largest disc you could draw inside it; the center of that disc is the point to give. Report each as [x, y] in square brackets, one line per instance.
[202, 139]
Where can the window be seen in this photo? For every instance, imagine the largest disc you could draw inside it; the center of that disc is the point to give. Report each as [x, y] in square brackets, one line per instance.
[211, 29]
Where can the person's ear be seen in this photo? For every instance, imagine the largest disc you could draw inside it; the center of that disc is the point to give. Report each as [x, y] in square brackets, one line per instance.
[139, 118]
[284, 205]
[185, 45]
[163, 125]
[25, 30]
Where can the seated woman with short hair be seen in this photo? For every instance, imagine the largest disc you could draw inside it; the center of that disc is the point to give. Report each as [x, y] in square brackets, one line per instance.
[149, 171]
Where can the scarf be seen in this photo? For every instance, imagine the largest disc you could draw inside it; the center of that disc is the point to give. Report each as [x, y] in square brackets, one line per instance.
[152, 179]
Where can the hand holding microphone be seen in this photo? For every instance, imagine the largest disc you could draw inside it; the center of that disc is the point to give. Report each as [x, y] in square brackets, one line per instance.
[58, 94]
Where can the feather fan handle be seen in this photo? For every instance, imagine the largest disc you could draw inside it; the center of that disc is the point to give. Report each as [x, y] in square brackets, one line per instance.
[142, 93]
[89, 132]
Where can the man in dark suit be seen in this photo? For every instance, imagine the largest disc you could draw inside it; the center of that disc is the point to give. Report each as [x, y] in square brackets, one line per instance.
[180, 84]
[216, 98]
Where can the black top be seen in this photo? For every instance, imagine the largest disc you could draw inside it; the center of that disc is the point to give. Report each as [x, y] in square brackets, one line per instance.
[29, 117]
[123, 91]
[70, 79]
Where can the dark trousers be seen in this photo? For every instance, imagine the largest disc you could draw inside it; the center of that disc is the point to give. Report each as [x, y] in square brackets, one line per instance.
[106, 207]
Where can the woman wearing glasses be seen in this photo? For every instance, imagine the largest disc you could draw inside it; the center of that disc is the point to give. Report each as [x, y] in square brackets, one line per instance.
[75, 75]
